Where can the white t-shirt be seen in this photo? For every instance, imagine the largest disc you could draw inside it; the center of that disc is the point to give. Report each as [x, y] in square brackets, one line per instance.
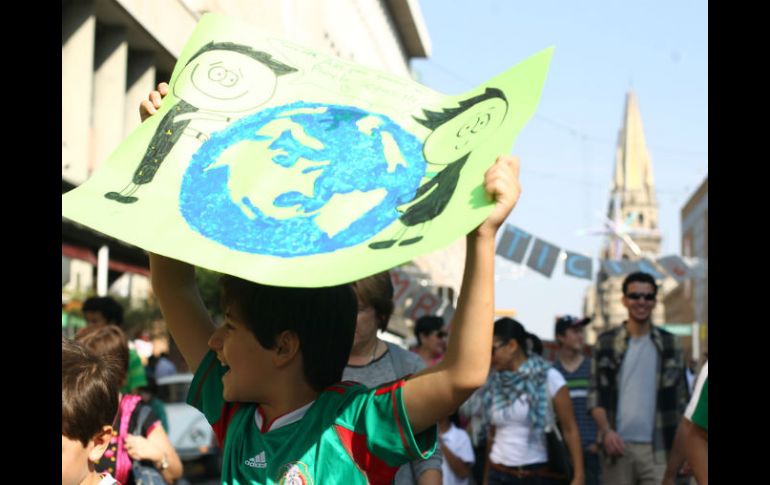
[512, 446]
[459, 443]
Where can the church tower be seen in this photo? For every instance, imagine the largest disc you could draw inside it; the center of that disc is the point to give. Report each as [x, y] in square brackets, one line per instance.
[633, 209]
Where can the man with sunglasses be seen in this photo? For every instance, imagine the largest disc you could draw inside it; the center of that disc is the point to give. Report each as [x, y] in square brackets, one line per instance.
[638, 390]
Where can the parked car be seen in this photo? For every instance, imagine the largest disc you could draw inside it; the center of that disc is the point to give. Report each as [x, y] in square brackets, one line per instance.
[189, 432]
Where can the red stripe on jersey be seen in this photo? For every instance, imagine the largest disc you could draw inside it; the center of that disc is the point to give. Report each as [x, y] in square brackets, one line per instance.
[392, 390]
[339, 387]
[389, 388]
[220, 427]
[398, 422]
[376, 470]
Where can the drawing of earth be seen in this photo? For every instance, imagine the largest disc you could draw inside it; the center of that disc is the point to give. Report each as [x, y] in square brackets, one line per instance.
[301, 179]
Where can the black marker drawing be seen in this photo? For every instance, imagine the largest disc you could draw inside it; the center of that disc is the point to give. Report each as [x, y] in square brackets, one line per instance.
[221, 79]
[456, 133]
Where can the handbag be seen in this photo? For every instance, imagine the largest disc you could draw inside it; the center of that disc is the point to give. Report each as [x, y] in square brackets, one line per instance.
[144, 474]
[558, 456]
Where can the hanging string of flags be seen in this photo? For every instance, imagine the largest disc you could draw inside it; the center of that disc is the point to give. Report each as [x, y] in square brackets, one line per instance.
[543, 256]
[417, 295]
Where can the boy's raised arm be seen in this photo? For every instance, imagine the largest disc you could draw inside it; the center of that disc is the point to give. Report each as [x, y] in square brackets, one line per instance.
[439, 390]
[188, 320]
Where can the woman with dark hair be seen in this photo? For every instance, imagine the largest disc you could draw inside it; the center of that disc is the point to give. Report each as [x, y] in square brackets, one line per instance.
[373, 362]
[517, 410]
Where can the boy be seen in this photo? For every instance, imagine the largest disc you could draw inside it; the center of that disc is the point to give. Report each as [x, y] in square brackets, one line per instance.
[89, 402]
[105, 310]
[267, 379]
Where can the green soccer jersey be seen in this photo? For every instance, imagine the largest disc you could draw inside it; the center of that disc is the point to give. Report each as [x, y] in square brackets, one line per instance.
[350, 434]
[698, 409]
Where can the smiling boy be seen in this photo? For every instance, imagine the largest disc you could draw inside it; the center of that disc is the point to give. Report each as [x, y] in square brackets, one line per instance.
[268, 378]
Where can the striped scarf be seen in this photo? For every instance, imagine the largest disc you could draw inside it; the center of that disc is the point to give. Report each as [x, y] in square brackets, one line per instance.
[528, 381]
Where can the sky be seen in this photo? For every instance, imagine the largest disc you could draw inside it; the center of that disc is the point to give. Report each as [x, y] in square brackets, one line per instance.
[603, 49]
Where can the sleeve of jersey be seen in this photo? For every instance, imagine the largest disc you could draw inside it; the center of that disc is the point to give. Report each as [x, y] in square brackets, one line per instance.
[206, 395]
[389, 436]
[697, 409]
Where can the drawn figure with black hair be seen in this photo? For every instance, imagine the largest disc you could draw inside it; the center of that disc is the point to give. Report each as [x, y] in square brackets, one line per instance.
[221, 79]
[456, 133]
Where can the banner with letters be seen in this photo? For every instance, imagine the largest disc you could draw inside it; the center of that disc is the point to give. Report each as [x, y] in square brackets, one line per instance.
[515, 243]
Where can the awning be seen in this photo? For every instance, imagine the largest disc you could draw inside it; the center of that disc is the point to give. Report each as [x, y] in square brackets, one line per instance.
[75, 252]
[87, 255]
[128, 268]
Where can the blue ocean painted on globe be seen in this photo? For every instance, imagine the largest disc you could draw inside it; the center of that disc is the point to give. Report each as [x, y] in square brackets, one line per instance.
[343, 149]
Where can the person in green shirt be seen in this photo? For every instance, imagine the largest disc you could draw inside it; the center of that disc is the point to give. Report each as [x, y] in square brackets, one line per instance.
[691, 440]
[697, 438]
[268, 378]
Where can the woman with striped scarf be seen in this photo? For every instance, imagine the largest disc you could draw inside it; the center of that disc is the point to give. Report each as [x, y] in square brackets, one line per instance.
[516, 409]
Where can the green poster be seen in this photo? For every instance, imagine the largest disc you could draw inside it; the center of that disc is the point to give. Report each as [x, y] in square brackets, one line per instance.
[281, 165]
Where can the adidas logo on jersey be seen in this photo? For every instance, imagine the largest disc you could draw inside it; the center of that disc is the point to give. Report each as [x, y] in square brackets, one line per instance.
[258, 461]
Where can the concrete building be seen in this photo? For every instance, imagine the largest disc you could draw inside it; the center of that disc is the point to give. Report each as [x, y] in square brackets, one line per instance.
[688, 302]
[695, 244]
[114, 52]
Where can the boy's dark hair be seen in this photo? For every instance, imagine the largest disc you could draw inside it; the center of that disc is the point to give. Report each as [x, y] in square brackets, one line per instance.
[507, 329]
[279, 68]
[434, 119]
[107, 306]
[324, 320]
[89, 391]
[107, 341]
[640, 277]
[427, 324]
[376, 291]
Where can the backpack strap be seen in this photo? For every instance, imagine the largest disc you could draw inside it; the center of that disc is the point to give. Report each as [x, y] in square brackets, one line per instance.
[123, 461]
[144, 411]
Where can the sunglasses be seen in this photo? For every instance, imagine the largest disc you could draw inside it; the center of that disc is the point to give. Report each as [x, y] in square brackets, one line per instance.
[638, 296]
[441, 334]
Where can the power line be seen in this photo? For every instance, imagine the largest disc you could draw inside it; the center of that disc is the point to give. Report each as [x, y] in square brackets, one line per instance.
[571, 129]
[594, 185]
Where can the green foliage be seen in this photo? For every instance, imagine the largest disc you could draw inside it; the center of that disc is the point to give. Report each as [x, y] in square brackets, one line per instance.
[138, 317]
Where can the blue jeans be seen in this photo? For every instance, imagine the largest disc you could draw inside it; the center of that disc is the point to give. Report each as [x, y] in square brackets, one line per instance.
[480, 452]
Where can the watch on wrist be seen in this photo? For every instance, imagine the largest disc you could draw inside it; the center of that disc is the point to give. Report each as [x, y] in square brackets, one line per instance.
[163, 463]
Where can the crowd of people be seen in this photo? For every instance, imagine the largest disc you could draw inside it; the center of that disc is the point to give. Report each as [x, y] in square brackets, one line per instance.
[300, 388]
[614, 406]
